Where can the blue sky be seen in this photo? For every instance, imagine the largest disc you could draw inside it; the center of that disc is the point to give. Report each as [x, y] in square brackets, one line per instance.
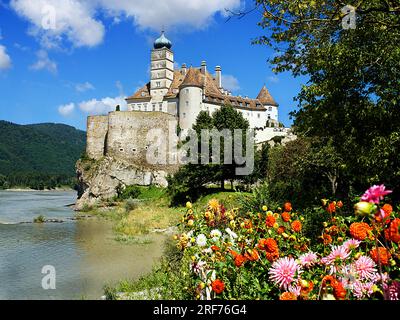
[97, 52]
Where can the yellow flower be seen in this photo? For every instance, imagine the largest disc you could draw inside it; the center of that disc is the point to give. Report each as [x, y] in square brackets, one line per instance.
[324, 201]
[325, 224]
[285, 235]
[276, 215]
[175, 237]
[202, 285]
[213, 204]
[302, 218]
[269, 213]
[276, 225]
[265, 208]
[190, 223]
[232, 223]
[189, 205]
[193, 258]
[242, 225]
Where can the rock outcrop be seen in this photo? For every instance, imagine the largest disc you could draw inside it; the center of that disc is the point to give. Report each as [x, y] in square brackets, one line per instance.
[100, 179]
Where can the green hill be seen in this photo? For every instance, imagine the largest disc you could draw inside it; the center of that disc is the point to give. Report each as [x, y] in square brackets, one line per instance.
[39, 150]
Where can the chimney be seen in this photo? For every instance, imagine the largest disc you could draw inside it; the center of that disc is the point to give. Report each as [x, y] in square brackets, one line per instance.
[184, 69]
[218, 76]
[203, 67]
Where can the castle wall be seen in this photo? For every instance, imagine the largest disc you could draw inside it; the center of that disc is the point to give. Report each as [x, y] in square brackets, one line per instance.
[97, 127]
[128, 138]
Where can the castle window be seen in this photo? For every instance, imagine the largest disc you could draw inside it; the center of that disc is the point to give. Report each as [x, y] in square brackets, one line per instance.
[270, 108]
[122, 150]
[158, 84]
[259, 115]
[134, 150]
[154, 107]
[187, 103]
[269, 117]
[160, 106]
[184, 115]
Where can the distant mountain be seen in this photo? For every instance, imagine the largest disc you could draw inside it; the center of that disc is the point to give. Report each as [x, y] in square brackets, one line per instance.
[47, 148]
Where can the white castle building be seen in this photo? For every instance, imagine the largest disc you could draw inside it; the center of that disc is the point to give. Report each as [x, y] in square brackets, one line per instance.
[185, 92]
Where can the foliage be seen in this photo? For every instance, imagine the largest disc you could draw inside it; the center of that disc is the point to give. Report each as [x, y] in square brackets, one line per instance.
[128, 192]
[40, 156]
[351, 100]
[266, 254]
[39, 219]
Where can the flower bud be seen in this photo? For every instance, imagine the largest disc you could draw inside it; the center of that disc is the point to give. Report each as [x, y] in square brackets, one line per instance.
[188, 205]
[265, 208]
[365, 208]
[190, 223]
[325, 224]
[392, 263]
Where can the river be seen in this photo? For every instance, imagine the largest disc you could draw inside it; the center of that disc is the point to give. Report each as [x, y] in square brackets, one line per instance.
[84, 254]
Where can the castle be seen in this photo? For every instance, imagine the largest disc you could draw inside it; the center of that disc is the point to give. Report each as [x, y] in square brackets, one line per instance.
[175, 95]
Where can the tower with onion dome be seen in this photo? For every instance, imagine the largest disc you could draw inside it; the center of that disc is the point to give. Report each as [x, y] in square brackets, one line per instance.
[162, 68]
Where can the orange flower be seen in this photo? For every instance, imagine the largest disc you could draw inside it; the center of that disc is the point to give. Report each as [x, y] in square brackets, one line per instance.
[286, 216]
[394, 231]
[252, 255]
[272, 256]
[215, 248]
[270, 221]
[331, 207]
[288, 296]
[327, 239]
[271, 245]
[387, 208]
[384, 255]
[287, 206]
[248, 224]
[240, 260]
[233, 253]
[360, 230]
[339, 291]
[334, 230]
[339, 204]
[281, 230]
[296, 226]
[218, 286]
[306, 288]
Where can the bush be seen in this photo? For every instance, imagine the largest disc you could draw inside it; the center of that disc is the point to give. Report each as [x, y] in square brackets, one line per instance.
[39, 219]
[130, 205]
[129, 192]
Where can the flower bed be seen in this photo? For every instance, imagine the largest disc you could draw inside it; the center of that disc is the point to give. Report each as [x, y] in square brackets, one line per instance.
[264, 254]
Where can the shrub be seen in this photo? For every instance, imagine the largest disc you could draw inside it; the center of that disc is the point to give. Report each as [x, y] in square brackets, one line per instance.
[129, 192]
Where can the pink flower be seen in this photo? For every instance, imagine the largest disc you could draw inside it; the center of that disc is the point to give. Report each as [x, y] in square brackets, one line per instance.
[375, 194]
[338, 254]
[283, 272]
[295, 289]
[365, 267]
[308, 259]
[351, 244]
[392, 292]
[361, 290]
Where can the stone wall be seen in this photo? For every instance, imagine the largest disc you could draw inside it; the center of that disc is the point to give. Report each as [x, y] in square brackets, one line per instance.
[97, 127]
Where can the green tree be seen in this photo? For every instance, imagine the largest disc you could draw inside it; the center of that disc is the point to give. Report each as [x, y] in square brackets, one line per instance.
[352, 95]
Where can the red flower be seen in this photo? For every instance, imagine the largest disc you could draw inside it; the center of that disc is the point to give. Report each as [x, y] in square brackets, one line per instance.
[384, 255]
[287, 206]
[281, 230]
[215, 248]
[339, 204]
[286, 216]
[327, 239]
[296, 226]
[270, 221]
[252, 255]
[218, 286]
[331, 207]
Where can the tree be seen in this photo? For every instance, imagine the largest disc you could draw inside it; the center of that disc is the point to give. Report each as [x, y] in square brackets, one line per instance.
[352, 96]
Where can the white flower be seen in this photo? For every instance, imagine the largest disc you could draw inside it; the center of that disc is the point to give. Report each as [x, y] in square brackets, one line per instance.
[215, 235]
[231, 233]
[201, 240]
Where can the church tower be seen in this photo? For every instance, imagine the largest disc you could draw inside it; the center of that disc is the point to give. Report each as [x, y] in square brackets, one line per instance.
[162, 68]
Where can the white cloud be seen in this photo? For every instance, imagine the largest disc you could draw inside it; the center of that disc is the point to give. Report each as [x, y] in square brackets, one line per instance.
[67, 109]
[53, 20]
[102, 106]
[44, 63]
[193, 13]
[78, 22]
[230, 83]
[273, 79]
[82, 87]
[5, 60]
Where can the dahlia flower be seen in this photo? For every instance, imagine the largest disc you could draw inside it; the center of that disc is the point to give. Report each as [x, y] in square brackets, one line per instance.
[351, 244]
[201, 240]
[392, 292]
[215, 234]
[308, 259]
[365, 267]
[375, 194]
[361, 290]
[338, 253]
[283, 272]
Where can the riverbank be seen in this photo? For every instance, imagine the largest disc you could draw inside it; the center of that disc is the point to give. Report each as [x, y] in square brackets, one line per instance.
[21, 189]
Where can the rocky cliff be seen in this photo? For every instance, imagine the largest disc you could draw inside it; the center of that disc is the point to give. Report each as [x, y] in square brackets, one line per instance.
[100, 179]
